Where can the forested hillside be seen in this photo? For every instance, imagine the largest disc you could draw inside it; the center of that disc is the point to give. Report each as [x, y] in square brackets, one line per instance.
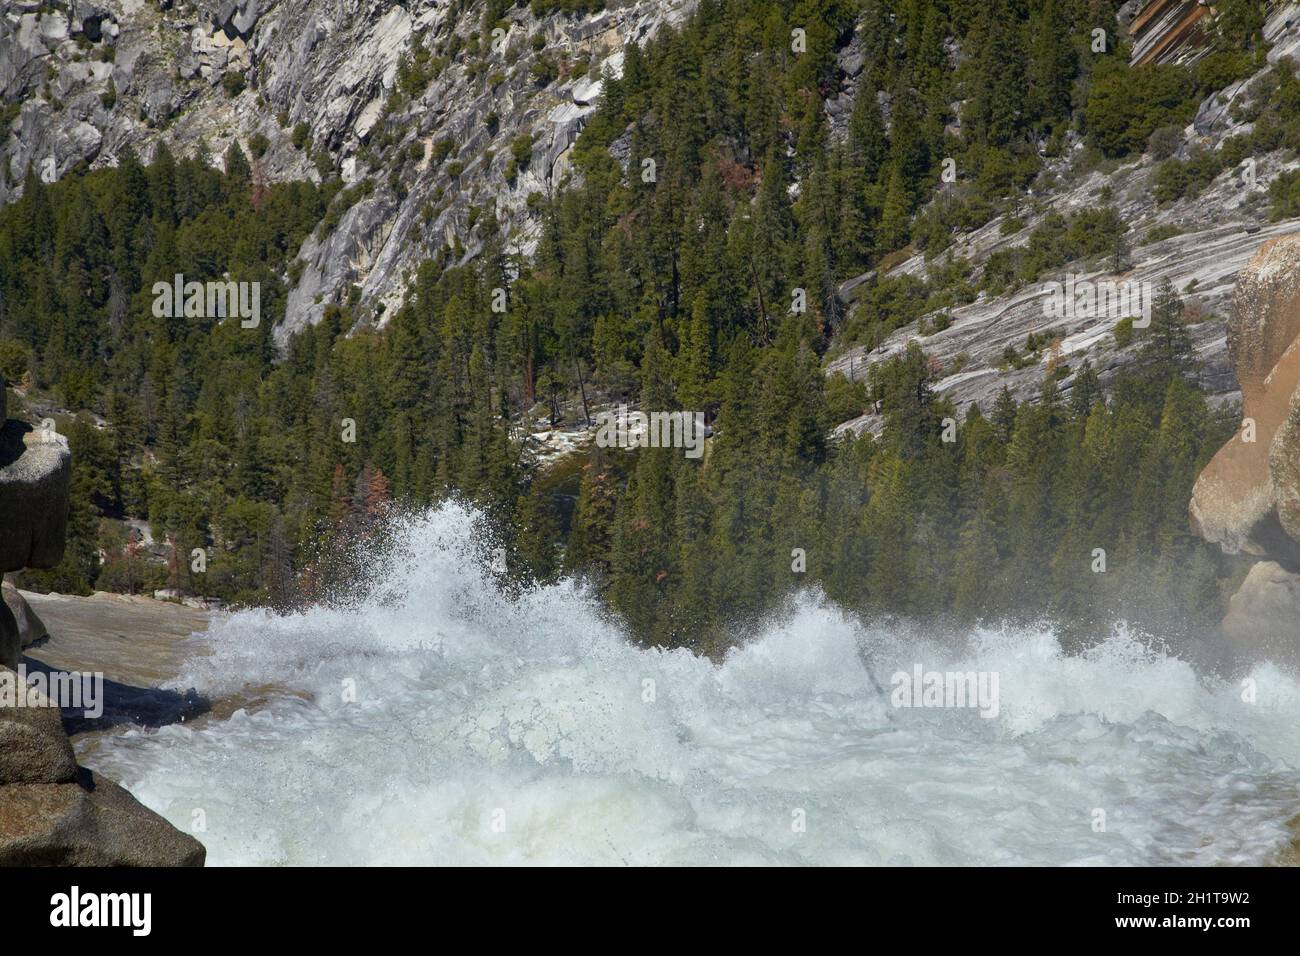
[716, 190]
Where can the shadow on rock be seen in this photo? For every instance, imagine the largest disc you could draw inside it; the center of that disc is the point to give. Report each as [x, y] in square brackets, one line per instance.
[127, 704]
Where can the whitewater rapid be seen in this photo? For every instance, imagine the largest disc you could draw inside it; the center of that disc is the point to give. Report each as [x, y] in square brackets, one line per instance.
[438, 722]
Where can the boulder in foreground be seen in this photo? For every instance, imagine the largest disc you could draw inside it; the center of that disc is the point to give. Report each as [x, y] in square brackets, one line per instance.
[90, 823]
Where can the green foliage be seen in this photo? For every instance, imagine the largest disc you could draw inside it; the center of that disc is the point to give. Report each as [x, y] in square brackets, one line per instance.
[1284, 195]
[1126, 105]
[1164, 142]
[78, 260]
[415, 70]
[542, 8]
[521, 149]
[1239, 22]
[233, 83]
[15, 359]
[1089, 233]
[442, 149]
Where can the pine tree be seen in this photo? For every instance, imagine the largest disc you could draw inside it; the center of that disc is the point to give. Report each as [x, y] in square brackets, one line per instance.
[1167, 349]
[867, 145]
[895, 221]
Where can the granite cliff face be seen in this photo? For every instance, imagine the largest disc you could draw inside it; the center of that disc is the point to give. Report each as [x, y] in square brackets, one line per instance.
[83, 81]
[415, 102]
[53, 812]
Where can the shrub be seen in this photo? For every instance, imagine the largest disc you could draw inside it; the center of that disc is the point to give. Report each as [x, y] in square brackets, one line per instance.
[1124, 332]
[1163, 232]
[1284, 195]
[521, 149]
[1164, 142]
[14, 360]
[543, 70]
[233, 83]
[441, 150]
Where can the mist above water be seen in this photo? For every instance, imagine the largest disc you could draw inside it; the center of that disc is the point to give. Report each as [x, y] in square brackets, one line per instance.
[436, 721]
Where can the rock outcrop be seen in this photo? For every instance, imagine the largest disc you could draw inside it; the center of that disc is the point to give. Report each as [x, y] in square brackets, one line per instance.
[30, 626]
[1200, 243]
[1261, 620]
[420, 102]
[1170, 31]
[53, 812]
[34, 470]
[33, 746]
[1247, 500]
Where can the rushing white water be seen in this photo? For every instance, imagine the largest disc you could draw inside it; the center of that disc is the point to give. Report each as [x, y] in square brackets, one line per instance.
[438, 722]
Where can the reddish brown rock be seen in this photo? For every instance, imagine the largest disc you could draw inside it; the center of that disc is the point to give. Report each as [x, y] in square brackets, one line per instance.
[1284, 466]
[1247, 500]
[1235, 501]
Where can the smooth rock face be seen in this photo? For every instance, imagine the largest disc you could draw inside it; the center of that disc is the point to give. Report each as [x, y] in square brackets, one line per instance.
[1284, 465]
[89, 823]
[34, 471]
[1262, 616]
[33, 746]
[30, 626]
[1236, 498]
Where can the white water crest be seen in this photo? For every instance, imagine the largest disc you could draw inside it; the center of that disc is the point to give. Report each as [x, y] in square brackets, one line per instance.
[488, 730]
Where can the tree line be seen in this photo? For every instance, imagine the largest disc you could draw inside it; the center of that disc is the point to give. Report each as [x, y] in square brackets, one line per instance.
[674, 291]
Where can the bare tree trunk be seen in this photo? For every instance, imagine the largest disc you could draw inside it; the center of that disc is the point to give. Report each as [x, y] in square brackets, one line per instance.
[582, 389]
